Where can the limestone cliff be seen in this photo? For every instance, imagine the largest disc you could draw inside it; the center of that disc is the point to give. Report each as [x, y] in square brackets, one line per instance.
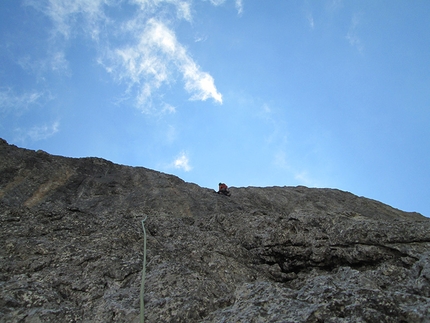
[72, 249]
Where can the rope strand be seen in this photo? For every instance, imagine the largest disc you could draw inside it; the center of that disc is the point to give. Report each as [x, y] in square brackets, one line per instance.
[142, 284]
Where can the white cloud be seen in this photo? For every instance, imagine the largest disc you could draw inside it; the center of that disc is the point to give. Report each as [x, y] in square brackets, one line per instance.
[37, 133]
[334, 5]
[42, 132]
[198, 82]
[311, 20]
[199, 38]
[67, 14]
[52, 61]
[354, 41]
[169, 109]
[239, 6]
[217, 2]
[59, 63]
[10, 101]
[150, 55]
[69, 18]
[352, 35]
[151, 62]
[182, 162]
[184, 10]
[183, 7]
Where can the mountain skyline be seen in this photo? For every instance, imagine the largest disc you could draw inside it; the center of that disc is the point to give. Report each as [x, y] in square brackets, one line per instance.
[321, 94]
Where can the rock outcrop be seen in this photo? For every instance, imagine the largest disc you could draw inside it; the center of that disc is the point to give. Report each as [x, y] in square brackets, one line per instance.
[72, 249]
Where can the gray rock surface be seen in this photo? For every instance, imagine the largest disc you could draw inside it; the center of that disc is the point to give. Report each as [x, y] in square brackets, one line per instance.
[72, 249]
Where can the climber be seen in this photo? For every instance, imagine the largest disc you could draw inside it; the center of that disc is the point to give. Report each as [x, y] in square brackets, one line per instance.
[223, 189]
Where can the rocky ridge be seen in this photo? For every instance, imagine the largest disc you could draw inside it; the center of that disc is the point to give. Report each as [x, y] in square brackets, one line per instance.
[72, 250]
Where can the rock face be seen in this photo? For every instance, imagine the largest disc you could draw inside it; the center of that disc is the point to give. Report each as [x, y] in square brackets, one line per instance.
[72, 249]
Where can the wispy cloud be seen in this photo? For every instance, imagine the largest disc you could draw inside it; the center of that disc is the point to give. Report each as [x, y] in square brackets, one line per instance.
[182, 162]
[68, 15]
[51, 62]
[199, 38]
[301, 175]
[183, 7]
[334, 5]
[59, 63]
[152, 61]
[18, 103]
[37, 133]
[352, 35]
[184, 10]
[168, 109]
[310, 20]
[239, 6]
[217, 2]
[70, 19]
[140, 49]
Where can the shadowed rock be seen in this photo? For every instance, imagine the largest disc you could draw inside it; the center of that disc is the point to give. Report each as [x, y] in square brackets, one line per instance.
[72, 249]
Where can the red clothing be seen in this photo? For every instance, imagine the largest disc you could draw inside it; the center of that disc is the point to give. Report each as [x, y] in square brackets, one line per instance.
[223, 187]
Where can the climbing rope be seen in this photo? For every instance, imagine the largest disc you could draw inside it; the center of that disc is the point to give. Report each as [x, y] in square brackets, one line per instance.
[142, 284]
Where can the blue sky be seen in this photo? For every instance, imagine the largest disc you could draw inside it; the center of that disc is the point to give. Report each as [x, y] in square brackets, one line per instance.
[328, 93]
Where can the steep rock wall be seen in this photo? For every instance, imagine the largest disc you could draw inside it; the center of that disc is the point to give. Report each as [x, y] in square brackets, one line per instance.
[73, 248]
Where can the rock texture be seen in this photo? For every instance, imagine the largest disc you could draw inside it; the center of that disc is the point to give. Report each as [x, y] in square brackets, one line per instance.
[72, 249]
